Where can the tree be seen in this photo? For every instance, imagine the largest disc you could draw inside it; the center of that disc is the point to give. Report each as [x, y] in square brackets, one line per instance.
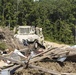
[56, 17]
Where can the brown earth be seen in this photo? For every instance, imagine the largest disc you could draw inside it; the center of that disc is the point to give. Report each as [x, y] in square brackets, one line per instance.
[66, 67]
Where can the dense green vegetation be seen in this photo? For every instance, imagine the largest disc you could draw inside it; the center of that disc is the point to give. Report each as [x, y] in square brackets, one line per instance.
[56, 17]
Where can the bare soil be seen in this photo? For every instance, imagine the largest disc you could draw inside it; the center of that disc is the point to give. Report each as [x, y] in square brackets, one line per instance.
[66, 67]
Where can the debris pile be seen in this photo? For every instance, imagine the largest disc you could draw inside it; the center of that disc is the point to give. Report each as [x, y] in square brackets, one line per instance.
[29, 57]
[7, 36]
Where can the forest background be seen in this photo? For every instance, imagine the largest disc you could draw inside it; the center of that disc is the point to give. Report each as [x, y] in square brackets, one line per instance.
[56, 17]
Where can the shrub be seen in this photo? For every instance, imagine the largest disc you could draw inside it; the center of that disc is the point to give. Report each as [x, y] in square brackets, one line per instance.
[2, 46]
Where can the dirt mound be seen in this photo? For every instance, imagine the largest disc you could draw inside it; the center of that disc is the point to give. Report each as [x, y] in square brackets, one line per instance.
[66, 67]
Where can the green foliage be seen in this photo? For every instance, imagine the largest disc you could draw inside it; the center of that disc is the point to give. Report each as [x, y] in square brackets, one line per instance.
[56, 17]
[2, 46]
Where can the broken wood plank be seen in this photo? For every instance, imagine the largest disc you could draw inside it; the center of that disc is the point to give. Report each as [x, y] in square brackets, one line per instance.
[45, 51]
[46, 54]
[67, 74]
[12, 60]
[38, 59]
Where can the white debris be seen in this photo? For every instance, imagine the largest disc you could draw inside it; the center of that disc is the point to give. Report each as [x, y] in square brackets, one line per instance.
[18, 52]
[73, 46]
[61, 59]
[32, 54]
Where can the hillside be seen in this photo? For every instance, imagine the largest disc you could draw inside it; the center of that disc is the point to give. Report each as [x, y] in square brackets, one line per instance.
[56, 17]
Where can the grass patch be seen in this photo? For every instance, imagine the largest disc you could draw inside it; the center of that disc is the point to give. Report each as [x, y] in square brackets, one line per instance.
[2, 46]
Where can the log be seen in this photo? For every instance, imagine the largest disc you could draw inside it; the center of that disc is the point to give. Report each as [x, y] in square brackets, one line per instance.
[45, 51]
[43, 69]
[67, 74]
[38, 59]
[21, 50]
[52, 52]
[62, 54]
[45, 54]
[12, 60]
[30, 65]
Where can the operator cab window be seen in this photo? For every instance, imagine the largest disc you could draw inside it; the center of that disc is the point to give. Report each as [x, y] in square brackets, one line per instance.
[24, 30]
